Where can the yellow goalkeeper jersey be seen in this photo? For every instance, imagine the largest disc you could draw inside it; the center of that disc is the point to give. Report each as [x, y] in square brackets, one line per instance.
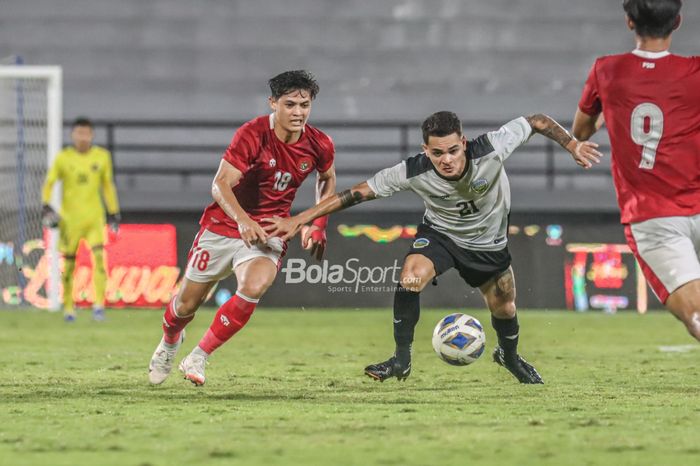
[87, 178]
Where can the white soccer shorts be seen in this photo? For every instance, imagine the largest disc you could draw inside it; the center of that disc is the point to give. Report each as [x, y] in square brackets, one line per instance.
[214, 257]
[668, 250]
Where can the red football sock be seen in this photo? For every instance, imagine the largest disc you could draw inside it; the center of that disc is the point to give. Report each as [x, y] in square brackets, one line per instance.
[229, 319]
[173, 324]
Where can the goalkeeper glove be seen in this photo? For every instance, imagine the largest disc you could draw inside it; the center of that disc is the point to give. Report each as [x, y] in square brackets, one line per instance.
[49, 217]
[113, 222]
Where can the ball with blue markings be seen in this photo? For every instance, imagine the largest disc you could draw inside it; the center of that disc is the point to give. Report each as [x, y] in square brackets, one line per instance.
[459, 339]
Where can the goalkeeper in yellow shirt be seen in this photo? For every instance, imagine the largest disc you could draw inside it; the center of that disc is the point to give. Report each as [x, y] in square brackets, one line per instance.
[86, 173]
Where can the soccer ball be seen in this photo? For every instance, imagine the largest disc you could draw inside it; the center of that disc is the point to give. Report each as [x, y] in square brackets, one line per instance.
[459, 339]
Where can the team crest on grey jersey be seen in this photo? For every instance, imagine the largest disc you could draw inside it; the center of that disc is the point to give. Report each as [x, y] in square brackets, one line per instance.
[480, 185]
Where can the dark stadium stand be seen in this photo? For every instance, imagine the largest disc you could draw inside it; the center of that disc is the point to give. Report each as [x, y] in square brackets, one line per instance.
[394, 60]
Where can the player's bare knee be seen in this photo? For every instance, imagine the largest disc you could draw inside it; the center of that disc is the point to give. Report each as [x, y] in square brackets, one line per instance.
[253, 291]
[509, 309]
[692, 323]
[189, 300]
[685, 305]
[411, 282]
[186, 306]
[255, 288]
[414, 279]
[503, 310]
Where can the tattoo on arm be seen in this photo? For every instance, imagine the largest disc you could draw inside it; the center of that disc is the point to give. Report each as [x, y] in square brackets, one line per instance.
[349, 198]
[549, 128]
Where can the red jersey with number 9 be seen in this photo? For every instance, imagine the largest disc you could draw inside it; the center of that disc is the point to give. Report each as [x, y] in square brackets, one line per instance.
[272, 172]
[651, 105]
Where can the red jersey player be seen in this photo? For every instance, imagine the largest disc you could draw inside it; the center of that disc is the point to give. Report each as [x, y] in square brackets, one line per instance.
[266, 162]
[650, 101]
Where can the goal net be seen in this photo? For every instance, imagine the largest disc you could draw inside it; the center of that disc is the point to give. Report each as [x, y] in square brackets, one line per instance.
[30, 137]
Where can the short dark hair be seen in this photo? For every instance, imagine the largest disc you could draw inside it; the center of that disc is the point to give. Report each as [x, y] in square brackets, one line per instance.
[290, 81]
[441, 124]
[82, 121]
[653, 18]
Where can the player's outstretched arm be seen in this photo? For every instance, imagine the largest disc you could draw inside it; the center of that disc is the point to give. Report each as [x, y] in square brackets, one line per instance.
[313, 237]
[225, 179]
[288, 227]
[583, 152]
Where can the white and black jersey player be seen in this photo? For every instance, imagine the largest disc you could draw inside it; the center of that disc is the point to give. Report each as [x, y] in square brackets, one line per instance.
[467, 201]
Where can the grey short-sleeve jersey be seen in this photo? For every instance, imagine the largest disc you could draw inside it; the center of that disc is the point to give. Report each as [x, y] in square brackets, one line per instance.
[472, 211]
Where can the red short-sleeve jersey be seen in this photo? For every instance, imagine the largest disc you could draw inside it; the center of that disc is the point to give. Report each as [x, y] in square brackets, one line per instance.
[651, 105]
[272, 171]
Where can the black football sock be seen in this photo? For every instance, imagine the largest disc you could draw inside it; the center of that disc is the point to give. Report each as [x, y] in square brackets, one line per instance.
[507, 331]
[406, 315]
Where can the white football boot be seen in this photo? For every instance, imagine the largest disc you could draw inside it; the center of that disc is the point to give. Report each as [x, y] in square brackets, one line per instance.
[193, 366]
[162, 361]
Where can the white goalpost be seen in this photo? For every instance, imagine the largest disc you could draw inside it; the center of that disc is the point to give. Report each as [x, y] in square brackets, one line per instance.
[31, 127]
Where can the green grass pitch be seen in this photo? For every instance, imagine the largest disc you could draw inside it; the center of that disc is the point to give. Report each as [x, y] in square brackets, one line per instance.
[289, 389]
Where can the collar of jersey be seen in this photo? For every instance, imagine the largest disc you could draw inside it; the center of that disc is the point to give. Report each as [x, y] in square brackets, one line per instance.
[467, 166]
[272, 123]
[651, 55]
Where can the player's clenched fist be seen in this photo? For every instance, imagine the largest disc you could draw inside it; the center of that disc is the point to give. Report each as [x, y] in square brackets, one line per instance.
[314, 240]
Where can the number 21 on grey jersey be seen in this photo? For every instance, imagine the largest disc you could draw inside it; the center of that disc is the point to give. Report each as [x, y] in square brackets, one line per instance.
[472, 211]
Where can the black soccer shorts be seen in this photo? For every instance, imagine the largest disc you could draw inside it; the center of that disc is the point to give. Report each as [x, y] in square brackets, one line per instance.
[475, 267]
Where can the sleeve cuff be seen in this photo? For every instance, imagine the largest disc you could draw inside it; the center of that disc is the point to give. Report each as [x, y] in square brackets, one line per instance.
[326, 168]
[589, 110]
[373, 187]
